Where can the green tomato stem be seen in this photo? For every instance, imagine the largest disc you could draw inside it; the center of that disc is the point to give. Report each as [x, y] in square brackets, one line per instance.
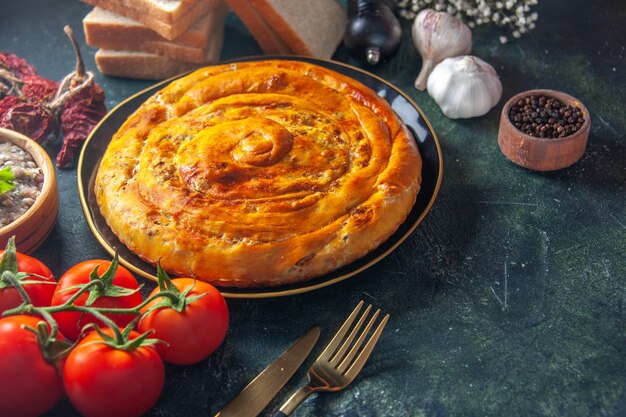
[69, 306]
[162, 294]
[46, 312]
[9, 277]
[95, 287]
[119, 337]
[83, 289]
[54, 327]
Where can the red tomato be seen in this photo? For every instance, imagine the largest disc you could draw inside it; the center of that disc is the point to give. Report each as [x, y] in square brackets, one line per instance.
[40, 294]
[104, 381]
[29, 385]
[193, 334]
[71, 322]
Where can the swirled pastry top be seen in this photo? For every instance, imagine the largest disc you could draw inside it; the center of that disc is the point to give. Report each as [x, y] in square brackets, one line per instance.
[259, 173]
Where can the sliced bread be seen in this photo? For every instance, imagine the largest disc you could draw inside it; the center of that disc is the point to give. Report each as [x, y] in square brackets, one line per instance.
[149, 66]
[103, 26]
[169, 18]
[310, 28]
[107, 30]
[268, 40]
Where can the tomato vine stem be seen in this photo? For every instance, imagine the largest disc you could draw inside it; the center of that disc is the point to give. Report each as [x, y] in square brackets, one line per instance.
[53, 345]
[10, 277]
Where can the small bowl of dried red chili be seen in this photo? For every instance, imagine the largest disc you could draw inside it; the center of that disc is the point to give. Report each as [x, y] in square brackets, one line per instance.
[543, 130]
[29, 196]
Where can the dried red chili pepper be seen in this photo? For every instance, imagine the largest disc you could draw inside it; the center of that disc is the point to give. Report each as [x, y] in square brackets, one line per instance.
[16, 65]
[25, 93]
[8, 102]
[83, 106]
[30, 119]
[38, 107]
[37, 88]
[80, 114]
[10, 84]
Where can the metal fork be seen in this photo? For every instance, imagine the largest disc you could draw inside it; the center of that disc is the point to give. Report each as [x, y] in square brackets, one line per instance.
[339, 363]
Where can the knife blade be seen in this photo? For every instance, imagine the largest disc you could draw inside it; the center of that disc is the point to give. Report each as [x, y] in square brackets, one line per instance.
[260, 391]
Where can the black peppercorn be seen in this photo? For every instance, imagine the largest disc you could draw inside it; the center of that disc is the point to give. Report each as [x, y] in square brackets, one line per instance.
[545, 117]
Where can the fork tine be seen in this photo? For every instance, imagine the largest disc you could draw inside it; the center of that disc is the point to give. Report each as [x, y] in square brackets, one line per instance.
[357, 345]
[357, 365]
[348, 340]
[323, 375]
[332, 346]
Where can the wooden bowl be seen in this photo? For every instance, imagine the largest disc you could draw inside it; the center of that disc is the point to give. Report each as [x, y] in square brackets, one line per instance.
[32, 228]
[542, 154]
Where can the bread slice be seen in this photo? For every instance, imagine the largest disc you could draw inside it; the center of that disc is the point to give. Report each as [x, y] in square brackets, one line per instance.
[149, 66]
[169, 18]
[310, 28]
[107, 30]
[103, 26]
[268, 40]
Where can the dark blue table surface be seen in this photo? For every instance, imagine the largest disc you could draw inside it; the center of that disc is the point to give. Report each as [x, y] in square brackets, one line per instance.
[509, 299]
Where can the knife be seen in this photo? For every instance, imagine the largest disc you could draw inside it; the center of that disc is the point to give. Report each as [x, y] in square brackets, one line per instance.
[260, 391]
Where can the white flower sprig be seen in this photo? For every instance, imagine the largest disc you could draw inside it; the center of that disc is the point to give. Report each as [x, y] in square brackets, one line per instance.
[517, 15]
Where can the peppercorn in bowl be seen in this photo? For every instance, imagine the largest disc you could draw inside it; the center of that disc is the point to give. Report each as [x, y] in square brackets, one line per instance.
[29, 196]
[543, 130]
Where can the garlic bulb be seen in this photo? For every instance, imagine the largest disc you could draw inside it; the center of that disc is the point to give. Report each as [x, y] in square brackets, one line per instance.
[464, 86]
[437, 36]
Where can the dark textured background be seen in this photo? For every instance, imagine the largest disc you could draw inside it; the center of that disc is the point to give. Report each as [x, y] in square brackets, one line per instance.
[508, 300]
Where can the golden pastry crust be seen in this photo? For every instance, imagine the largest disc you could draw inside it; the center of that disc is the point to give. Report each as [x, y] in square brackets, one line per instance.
[259, 174]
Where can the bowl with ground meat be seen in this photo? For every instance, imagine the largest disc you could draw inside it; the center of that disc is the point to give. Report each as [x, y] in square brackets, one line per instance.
[29, 196]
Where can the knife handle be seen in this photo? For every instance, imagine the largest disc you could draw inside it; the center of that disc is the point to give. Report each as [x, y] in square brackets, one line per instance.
[294, 401]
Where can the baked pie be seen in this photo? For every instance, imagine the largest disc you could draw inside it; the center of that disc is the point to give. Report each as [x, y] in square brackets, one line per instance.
[258, 174]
